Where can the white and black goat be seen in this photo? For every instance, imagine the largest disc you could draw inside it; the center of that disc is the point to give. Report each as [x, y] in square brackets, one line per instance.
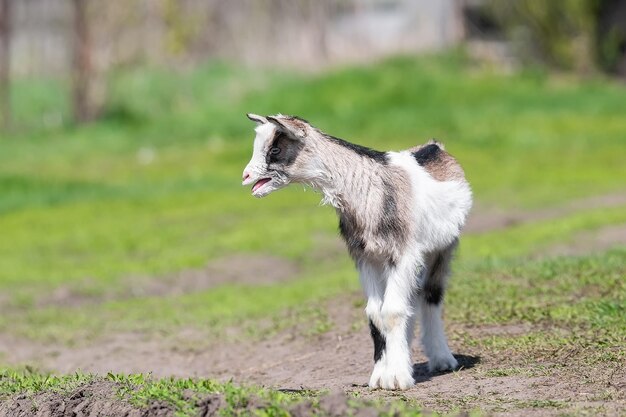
[401, 215]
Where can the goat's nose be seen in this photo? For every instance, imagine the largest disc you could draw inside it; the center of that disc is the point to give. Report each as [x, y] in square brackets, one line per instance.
[246, 175]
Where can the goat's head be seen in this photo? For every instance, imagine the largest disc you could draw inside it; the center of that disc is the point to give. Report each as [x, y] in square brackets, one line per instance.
[280, 155]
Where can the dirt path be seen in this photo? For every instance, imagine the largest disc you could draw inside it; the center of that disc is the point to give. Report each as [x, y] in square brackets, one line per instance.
[488, 219]
[590, 241]
[341, 359]
[248, 269]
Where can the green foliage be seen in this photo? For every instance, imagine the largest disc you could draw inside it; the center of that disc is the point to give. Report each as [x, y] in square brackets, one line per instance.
[559, 33]
[610, 51]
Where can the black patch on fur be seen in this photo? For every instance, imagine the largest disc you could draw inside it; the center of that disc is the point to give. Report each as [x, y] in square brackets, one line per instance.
[378, 156]
[433, 294]
[390, 227]
[379, 342]
[352, 235]
[289, 150]
[427, 154]
[433, 291]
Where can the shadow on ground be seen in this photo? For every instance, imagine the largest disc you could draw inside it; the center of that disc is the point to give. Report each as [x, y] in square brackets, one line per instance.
[421, 373]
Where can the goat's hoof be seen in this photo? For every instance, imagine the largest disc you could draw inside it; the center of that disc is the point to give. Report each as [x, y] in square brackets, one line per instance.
[374, 383]
[394, 380]
[377, 374]
[442, 363]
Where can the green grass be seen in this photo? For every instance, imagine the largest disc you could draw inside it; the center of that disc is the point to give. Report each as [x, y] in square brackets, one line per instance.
[27, 380]
[154, 187]
[588, 291]
[183, 395]
[505, 129]
[525, 140]
[141, 390]
[533, 238]
[210, 310]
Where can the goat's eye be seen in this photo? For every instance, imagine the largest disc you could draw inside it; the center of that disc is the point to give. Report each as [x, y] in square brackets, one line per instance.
[275, 150]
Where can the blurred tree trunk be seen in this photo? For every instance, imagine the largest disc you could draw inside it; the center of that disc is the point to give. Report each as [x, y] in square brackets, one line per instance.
[5, 63]
[82, 68]
[321, 11]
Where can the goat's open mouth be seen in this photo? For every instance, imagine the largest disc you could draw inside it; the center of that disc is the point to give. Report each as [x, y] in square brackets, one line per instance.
[260, 183]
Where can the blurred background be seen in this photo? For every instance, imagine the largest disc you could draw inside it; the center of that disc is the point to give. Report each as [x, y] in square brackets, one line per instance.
[80, 45]
[124, 136]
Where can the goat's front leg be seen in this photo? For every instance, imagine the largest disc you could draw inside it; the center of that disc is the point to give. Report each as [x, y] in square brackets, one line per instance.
[397, 322]
[373, 284]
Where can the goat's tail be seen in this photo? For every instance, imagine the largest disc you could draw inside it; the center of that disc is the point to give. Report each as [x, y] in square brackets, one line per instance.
[436, 142]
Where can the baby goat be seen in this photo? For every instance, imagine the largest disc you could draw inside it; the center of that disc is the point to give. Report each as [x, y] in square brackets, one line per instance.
[401, 215]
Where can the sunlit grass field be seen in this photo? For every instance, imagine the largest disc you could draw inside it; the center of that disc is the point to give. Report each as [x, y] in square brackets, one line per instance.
[154, 188]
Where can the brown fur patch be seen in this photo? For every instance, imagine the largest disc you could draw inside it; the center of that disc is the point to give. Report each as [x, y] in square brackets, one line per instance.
[442, 167]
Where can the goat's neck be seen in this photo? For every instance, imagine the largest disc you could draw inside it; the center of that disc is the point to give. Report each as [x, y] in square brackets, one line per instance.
[347, 180]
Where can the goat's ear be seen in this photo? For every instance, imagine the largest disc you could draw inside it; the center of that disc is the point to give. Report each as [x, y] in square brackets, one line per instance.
[256, 118]
[295, 131]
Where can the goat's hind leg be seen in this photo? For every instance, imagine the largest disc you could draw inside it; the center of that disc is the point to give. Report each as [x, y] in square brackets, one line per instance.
[430, 305]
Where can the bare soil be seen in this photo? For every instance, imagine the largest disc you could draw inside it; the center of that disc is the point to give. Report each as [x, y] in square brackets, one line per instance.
[96, 399]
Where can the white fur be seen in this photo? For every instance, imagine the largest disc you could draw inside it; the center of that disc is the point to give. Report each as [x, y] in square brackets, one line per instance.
[440, 207]
[434, 339]
[256, 167]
